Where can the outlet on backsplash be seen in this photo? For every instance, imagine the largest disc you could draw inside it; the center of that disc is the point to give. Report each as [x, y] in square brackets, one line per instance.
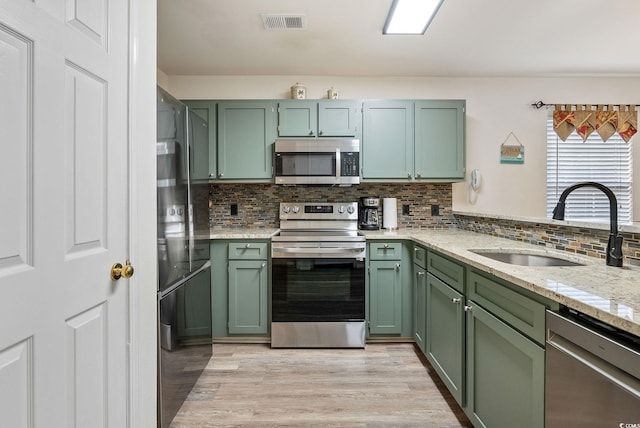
[435, 210]
[406, 209]
[234, 209]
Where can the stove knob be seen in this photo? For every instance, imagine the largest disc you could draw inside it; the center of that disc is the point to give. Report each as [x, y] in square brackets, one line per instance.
[295, 209]
[285, 209]
[341, 209]
[350, 209]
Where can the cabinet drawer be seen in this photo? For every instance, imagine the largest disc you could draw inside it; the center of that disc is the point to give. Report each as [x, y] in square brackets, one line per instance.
[447, 270]
[524, 314]
[385, 251]
[420, 256]
[248, 250]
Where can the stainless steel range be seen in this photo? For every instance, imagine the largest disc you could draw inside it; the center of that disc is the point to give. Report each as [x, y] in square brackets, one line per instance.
[318, 277]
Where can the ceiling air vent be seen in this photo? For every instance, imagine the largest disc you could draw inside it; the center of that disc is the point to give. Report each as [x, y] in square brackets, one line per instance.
[274, 21]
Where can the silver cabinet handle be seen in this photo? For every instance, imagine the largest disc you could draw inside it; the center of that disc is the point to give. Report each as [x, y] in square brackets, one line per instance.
[468, 308]
[311, 132]
[397, 266]
[247, 246]
[220, 174]
[456, 300]
[408, 175]
[418, 175]
[420, 273]
[211, 175]
[386, 246]
[320, 133]
[263, 264]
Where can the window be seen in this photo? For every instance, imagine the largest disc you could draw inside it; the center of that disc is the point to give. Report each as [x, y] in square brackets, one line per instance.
[574, 161]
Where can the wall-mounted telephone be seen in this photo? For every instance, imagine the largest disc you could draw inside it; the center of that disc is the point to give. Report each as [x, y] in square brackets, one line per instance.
[475, 179]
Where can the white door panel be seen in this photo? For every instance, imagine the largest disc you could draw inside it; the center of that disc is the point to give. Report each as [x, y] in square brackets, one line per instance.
[64, 213]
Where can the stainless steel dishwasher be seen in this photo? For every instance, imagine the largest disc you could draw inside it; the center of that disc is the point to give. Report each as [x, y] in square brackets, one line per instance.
[592, 373]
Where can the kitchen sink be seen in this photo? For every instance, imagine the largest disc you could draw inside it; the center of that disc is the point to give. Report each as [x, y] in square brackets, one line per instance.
[523, 258]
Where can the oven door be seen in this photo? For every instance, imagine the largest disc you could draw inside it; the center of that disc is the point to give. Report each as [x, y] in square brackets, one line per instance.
[318, 289]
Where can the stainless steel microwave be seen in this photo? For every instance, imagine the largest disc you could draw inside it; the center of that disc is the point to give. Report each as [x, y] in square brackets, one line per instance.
[317, 161]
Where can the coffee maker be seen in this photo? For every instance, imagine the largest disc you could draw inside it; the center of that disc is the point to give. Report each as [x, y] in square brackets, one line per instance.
[368, 213]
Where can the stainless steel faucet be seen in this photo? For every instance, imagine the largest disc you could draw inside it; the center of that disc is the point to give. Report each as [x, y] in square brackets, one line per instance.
[614, 245]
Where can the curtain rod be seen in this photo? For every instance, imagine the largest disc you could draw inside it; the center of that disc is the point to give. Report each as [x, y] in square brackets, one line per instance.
[540, 104]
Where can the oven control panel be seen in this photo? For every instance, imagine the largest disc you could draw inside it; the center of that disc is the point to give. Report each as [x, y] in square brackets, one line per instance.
[319, 211]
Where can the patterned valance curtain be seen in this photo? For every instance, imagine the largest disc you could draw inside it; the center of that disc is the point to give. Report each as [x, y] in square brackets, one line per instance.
[606, 120]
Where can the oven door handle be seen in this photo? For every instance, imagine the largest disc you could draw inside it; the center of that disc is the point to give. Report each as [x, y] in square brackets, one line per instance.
[319, 252]
[318, 249]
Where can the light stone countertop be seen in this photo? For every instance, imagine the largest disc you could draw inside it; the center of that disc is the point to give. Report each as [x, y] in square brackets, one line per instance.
[610, 294]
[607, 293]
[237, 233]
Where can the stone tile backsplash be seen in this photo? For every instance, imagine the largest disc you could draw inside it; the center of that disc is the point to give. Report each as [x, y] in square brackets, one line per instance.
[258, 208]
[258, 204]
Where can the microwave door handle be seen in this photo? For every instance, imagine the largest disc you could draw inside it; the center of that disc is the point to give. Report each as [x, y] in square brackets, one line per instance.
[338, 164]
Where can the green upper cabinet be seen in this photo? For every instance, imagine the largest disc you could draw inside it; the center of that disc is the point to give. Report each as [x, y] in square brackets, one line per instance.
[246, 132]
[440, 140]
[311, 119]
[387, 140]
[202, 129]
[413, 140]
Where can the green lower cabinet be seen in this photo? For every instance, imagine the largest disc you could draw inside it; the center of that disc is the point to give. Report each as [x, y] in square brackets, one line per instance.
[385, 297]
[248, 300]
[420, 306]
[445, 341]
[505, 374]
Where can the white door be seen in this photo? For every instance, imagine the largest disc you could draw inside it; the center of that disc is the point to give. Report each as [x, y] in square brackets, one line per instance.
[64, 213]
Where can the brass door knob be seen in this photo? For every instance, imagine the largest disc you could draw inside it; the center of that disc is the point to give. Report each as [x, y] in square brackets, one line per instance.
[118, 271]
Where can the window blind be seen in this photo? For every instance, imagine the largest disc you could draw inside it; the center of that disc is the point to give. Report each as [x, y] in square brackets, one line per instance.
[573, 161]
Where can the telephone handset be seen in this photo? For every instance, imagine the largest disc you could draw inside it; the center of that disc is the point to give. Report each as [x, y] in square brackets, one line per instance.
[475, 179]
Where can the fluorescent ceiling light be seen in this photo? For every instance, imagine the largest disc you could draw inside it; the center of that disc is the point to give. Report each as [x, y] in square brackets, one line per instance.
[410, 16]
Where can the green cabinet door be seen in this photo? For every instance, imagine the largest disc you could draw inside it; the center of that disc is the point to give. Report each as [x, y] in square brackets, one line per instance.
[202, 129]
[505, 374]
[387, 140]
[297, 118]
[385, 297]
[194, 307]
[420, 306]
[246, 132]
[440, 140]
[248, 302]
[339, 118]
[445, 339]
[331, 118]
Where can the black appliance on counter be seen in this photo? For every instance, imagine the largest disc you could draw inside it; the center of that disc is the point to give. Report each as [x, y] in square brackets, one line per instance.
[368, 218]
[184, 268]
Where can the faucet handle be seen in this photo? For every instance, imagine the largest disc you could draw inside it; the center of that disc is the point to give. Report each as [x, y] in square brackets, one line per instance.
[614, 252]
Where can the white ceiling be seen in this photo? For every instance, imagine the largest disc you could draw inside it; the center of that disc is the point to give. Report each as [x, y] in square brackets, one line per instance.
[344, 38]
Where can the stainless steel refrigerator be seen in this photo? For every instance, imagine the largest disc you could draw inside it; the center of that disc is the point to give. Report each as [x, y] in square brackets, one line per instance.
[184, 269]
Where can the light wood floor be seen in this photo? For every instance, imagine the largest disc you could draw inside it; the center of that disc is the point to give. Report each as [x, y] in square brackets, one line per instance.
[384, 385]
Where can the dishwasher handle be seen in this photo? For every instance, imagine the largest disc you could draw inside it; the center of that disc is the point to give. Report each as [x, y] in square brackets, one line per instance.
[579, 340]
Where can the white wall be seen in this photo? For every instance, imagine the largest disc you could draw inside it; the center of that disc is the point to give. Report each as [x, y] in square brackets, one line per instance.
[495, 107]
